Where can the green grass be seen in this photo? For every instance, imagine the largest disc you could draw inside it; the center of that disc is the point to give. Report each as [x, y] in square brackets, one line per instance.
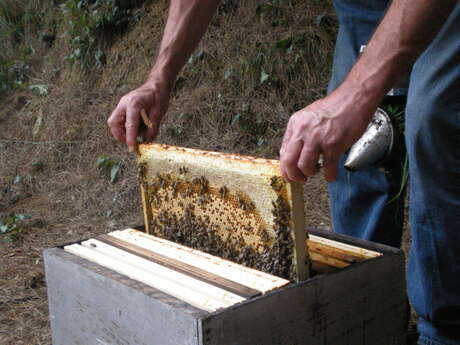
[398, 114]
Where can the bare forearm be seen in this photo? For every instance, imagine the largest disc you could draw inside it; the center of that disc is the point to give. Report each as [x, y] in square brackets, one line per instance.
[405, 32]
[331, 125]
[187, 23]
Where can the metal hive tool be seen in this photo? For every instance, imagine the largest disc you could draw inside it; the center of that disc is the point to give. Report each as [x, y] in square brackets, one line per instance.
[232, 206]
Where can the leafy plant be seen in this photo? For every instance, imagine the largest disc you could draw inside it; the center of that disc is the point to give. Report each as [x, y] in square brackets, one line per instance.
[11, 32]
[109, 167]
[89, 21]
[10, 227]
[397, 114]
[20, 21]
[37, 166]
[12, 75]
[39, 89]
[12, 16]
[264, 76]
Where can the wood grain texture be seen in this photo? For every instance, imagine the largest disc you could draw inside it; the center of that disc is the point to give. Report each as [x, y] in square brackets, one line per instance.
[337, 254]
[243, 200]
[359, 244]
[181, 267]
[327, 260]
[147, 210]
[92, 305]
[195, 292]
[301, 254]
[245, 276]
[360, 305]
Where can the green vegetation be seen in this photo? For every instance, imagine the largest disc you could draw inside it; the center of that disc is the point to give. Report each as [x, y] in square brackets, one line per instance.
[10, 227]
[397, 114]
[28, 26]
[15, 17]
[109, 167]
[90, 21]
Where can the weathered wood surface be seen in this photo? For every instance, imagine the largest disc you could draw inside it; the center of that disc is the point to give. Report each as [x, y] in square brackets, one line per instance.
[339, 250]
[206, 282]
[367, 248]
[236, 197]
[363, 304]
[242, 275]
[195, 292]
[91, 305]
[335, 254]
[182, 267]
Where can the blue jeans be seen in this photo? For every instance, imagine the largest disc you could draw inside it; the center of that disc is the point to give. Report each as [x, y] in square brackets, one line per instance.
[360, 200]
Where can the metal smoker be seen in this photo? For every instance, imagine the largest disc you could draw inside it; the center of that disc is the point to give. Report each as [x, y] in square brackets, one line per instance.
[375, 144]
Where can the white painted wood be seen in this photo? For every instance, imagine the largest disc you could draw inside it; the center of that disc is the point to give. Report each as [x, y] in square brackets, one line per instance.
[88, 302]
[227, 298]
[192, 291]
[240, 274]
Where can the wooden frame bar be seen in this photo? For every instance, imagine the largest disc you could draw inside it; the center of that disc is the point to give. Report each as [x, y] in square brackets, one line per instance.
[178, 266]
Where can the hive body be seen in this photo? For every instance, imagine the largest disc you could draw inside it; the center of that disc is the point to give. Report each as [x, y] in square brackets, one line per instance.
[361, 304]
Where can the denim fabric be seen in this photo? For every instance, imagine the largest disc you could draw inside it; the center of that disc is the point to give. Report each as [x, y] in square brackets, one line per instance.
[433, 143]
[359, 200]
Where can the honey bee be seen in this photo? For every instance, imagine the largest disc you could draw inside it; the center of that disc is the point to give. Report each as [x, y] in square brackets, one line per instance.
[276, 183]
[223, 191]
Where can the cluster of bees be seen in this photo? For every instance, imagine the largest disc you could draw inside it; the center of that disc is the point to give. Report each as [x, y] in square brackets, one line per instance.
[281, 253]
[195, 231]
[277, 259]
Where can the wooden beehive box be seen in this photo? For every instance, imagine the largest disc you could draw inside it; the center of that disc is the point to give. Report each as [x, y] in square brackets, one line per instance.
[114, 290]
[357, 297]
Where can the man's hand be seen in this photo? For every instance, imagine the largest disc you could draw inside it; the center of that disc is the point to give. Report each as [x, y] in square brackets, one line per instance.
[331, 125]
[186, 24]
[325, 128]
[124, 121]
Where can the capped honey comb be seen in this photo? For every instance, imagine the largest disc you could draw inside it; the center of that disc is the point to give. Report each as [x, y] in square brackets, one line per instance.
[233, 206]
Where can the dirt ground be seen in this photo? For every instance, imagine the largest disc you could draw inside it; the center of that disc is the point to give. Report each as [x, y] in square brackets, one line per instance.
[49, 146]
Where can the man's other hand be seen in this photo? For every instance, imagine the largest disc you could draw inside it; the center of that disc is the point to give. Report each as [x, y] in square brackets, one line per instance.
[325, 128]
[125, 120]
